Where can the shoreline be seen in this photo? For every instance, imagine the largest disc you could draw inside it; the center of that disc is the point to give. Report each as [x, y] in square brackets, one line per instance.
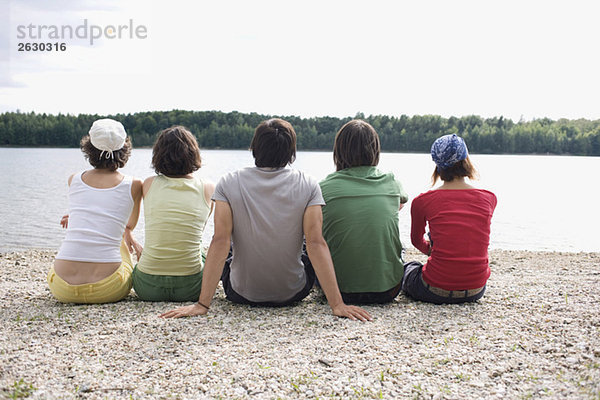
[535, 333]
[409, 249]
[149, 147]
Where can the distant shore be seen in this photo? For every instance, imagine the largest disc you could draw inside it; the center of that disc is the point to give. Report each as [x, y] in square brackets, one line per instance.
[149, 147]
[234, 130]
[535, 333]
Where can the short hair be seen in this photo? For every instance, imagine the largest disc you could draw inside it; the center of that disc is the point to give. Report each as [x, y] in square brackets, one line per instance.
[101, 159]
[176, 152]
[356, 144]
[274, 144]
[461, 168]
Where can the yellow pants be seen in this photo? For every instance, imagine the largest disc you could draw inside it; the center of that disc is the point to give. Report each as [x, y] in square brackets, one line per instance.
[108, 290]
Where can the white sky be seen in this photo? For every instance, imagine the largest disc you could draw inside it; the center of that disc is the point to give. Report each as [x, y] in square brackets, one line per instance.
[312, 58]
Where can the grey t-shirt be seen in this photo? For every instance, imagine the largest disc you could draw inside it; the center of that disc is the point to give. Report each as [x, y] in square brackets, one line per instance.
[268, 207]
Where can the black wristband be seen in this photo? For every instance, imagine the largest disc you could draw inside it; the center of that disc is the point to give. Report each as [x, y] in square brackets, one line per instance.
[207, 307]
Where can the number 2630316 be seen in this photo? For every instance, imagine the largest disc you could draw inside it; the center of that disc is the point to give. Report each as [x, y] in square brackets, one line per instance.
[42, 46]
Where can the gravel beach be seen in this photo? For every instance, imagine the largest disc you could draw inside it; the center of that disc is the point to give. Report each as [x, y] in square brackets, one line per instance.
[535, 334]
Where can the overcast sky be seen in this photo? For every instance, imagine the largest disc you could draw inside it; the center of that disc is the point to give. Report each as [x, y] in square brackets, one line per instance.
[519, 59]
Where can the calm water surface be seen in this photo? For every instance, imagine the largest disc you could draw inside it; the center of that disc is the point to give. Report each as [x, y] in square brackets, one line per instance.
[544, 202]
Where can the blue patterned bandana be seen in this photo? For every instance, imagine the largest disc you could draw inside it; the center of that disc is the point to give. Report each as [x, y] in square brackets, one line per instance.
[448, 150]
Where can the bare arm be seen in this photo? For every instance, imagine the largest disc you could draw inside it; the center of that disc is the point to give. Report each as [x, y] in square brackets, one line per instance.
[318, 251]
[138, 192]
[213, 268]
[209, 189]
[132, 245]
[64, 220]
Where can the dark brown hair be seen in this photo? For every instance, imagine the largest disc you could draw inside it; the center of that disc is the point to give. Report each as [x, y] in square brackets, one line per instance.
[461, 168]
[274, 144]
[176, 152]
[99, 159]
[356, 144]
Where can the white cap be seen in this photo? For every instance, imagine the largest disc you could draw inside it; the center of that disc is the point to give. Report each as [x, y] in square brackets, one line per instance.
[107, 135]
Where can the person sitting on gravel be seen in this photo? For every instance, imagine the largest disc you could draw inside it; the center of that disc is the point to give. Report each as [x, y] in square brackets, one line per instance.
[360, 218]
[93, 264]
[177, 205]
[459, 218]
[264, 212]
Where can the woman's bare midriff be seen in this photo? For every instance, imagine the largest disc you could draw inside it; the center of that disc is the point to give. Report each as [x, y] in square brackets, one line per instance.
[79, 273]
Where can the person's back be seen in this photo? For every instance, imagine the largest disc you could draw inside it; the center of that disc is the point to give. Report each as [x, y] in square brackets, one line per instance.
[268, 205]
[360, 224]
[175, 212]
[459, 225]
[97, 218]
[360, 218]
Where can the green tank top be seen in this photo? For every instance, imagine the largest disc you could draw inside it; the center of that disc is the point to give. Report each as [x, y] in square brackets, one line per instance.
[175, 212]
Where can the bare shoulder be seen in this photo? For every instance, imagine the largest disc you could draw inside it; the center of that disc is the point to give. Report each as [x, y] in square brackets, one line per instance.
[146, 185]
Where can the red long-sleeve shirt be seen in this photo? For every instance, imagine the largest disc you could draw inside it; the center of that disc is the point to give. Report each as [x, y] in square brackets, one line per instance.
[459, 225]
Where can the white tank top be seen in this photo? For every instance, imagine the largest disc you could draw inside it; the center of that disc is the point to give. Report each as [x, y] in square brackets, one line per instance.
[97, 219]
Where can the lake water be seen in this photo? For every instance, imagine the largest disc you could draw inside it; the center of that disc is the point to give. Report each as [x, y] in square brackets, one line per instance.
[544, 202]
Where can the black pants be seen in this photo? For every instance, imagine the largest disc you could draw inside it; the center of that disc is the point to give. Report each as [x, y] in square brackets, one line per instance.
[413, 286]
[235, 297]
[372, 297]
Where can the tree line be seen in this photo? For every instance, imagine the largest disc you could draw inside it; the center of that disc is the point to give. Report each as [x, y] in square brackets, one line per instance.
[234, 130]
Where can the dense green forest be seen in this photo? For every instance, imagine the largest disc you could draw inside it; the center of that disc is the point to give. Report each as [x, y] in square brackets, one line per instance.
[233, 130]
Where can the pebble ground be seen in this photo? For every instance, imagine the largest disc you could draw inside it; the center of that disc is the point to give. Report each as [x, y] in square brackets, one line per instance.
[535, 334]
